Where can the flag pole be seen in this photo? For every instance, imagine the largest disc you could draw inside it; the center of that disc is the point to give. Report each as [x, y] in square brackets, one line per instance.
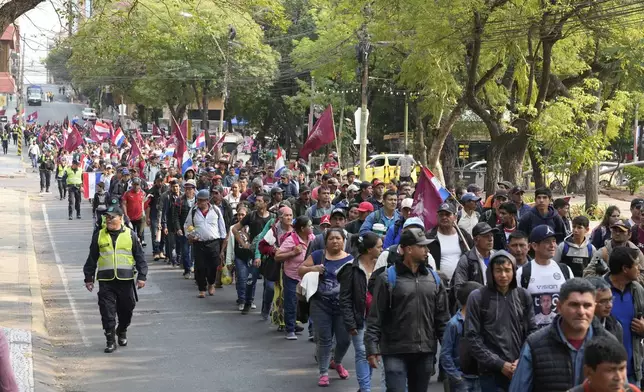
[335, 136]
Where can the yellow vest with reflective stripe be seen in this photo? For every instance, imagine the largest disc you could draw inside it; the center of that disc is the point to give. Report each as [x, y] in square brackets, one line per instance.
[74, 178]
[115, 262]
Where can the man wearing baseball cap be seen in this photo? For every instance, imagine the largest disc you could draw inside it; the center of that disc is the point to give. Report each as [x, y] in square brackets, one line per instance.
[365, 208]
[516, 194]
[392, 314]
[469, 215]
[472, 266]
[542, 276]
[619, 234]
[378, 194]
[449, 244]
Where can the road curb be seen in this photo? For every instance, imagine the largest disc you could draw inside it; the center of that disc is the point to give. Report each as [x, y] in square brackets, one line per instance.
[44, 373]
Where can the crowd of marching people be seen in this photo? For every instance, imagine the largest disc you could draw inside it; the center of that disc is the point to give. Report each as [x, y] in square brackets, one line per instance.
[498, 296]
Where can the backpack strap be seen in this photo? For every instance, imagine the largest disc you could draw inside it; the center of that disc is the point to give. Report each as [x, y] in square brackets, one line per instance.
[564, 270]
[526, 272]
[566, 248]
[590, 249]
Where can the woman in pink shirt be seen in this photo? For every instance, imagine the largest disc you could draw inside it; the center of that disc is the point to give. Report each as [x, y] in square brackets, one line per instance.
[292, 253]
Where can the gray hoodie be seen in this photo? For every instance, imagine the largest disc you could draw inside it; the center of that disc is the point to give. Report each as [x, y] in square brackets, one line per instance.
[496, 330]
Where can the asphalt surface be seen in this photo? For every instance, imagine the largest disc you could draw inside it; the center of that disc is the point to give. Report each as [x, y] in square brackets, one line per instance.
[56, 110]
[177, 342]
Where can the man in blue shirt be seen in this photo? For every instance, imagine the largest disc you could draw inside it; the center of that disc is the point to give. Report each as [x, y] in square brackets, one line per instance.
[387, 215]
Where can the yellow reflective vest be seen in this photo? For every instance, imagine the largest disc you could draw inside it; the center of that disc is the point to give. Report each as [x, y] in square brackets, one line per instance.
[115, 262]
[74, 178]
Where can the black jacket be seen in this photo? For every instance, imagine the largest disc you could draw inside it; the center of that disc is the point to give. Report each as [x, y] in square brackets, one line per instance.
[489, 217]
[552, 367]
[353, 227]
[353, 294]
[179, 214]
[500, 242]
[533, 219]
[227, 212]
[435, 247]
[299, 207]
[468, 269]
[408, 318]
[497, 329]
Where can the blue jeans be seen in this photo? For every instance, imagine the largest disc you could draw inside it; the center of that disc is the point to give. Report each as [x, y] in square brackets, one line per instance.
[241, 268]
[153, 234]
[408, 372]
[466, 385]
[363, 370]
[251, 283]
[184, 247]
[267, 297]
[327, 316]
[290, 302]
[494, 382]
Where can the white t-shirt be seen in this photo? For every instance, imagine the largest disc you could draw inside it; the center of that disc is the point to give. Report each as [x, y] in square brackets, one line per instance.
[545, 283]
[450, 253]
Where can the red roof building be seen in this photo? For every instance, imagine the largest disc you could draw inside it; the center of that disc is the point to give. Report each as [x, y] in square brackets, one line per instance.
[9, 44]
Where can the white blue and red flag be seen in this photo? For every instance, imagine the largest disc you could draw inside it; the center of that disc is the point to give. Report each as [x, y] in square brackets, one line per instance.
[90, 184]
[118, 138]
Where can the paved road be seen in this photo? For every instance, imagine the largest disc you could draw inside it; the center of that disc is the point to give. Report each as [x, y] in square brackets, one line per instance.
[55, 111]
[177, 342]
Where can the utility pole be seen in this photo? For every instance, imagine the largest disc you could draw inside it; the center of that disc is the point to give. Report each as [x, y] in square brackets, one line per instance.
[21, 88]
[364, 47]
[338, 136]
[635, 132]
[311, 109]
[406, 121]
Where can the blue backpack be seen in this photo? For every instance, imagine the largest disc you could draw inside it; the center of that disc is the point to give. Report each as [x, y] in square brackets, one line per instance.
[392, 276]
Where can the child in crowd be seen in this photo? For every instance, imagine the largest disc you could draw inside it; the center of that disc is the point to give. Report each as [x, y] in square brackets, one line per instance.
[576, 250]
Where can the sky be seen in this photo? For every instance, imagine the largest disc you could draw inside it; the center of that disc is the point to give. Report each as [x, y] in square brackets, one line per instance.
[37, 27]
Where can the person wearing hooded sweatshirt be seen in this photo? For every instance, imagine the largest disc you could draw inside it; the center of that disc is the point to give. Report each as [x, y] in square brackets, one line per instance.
[543, 214]
[499, 318]
[576, 250]
[553, 358]
[598, 265]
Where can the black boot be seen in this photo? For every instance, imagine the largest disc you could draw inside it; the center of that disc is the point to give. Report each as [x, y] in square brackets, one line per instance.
[110, 346]
[122, 337]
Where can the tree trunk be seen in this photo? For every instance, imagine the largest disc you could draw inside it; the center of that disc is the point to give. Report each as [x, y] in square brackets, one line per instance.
[577, 182]
[493, 165]
[438, 141]
[142, 117]
[204, 113]
[537, 171]
[448, 158]
[421, 146]
[512, 159]
[10, 11]
[592, 186]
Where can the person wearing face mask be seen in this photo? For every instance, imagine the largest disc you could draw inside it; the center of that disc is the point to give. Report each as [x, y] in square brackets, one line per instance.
[114, 254]
[551, 358]
[598, 265]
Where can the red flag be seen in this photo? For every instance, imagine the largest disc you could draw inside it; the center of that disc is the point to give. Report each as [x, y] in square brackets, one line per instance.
[427, 199]
[180, 135]
[32, 117]
[323, 133]
[155, 130]
[136, 151]
[73, 140]
[139, 138]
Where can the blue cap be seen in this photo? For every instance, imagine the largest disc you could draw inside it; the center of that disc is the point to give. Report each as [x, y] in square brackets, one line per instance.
[541, 232]
[125, 171]
[203, 194]
[414, 221]
[469, 197]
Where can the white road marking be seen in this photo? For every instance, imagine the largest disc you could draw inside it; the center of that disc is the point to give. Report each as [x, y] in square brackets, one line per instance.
[63, 277]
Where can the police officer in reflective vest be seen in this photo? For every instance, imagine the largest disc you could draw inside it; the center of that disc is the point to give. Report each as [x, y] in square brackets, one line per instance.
[114, 254]
[74, 179]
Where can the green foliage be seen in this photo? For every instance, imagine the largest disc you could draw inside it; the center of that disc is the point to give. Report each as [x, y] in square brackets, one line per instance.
[593, 213]
[635, 177]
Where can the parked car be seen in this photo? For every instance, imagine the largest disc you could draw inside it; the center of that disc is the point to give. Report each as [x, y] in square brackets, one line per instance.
[89, 114]
[383, 167]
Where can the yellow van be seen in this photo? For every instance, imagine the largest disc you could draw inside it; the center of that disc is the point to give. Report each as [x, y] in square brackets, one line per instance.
[383, 167]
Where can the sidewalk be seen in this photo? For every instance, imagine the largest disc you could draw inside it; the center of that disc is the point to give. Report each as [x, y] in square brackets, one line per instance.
[10, 164]
[21, 307]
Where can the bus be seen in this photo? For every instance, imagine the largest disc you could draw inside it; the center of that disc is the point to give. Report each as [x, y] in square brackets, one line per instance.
[34, 95]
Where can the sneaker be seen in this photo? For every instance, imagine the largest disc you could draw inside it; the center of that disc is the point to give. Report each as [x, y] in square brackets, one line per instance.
[78, 216]
[246, 309]
[291, 336]
[240, 307]
[311, 337]
[342, 372]
[70, 217]
[298, 328]
[156, 257]
[253, 306]
[186, 275]
[143, 244]
[323, 381]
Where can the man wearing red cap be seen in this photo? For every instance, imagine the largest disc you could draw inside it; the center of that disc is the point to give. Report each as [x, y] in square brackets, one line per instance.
[365, 208]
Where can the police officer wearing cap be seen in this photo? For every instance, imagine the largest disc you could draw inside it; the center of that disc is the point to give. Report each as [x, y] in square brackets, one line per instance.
[114, 254]
[206, 230]
[73, 177]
